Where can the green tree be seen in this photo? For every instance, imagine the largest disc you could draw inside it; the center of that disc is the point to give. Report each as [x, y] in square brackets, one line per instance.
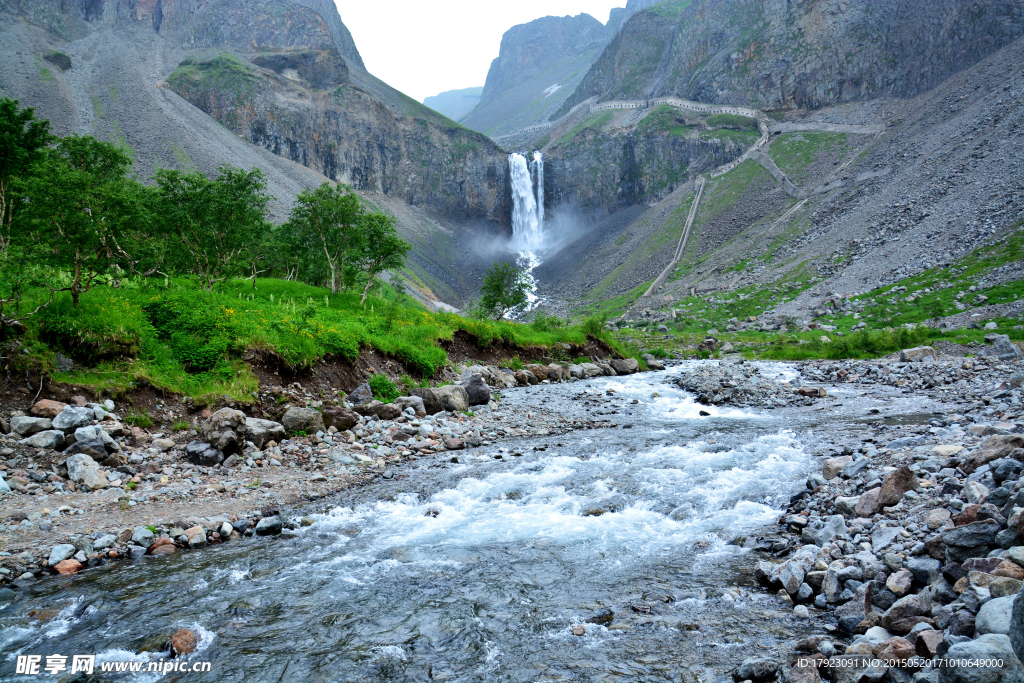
[506, 290]
[78, 203]
[380, 248]
[23, 142]
[327, 222]
[216, 223]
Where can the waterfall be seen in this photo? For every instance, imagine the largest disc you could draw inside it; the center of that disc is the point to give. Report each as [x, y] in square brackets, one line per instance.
[527, 201]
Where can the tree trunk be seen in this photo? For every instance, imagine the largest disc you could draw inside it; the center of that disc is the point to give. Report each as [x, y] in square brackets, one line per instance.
[76, 283]
[366, 290]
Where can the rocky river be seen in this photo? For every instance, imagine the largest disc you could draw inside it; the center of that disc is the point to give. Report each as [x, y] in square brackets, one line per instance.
[621, 553]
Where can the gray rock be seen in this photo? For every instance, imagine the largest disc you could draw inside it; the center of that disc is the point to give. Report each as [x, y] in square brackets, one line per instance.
[71, 418]
[757, 670]
[27, 426]
[96, 433]
[994, 616]
[269, 525]
[835, 525]
[4, 486]
[926, 570]
[202, 453]
[625, 366]
[451, 398]
[136, 552]
[362, 394]
[104, 542]
[989, 647]
[477, 391]
[60, 553]
[1017, 625]
[414, 402]
[883, 537]
[78, 465]
[972, 535]
[91, 447]
[225, 431]
[303, 420]
[51, 438]
[142, 537]
[261, 431]
[847, 506]
[1005, 349]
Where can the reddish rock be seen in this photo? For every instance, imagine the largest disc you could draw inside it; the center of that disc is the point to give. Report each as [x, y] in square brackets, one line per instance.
[454, 444]
[579, 630]
[166, 549]
[48, 408]
[969, 515]
[904, 626]
[112, 554]
[1010, 570]
[66, 567]
[79, 401]
[927, 644]
[161, 543]
[183, 642]
[895, 485]
[992, 448]
[895, 648]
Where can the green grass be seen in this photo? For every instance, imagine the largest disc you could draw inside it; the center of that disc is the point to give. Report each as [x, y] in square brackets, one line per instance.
[384, 389]
[794, 152]
[223, 72]
[670, 9]
[732, 121]
[596, 120]
[181, 339]
[664, 119]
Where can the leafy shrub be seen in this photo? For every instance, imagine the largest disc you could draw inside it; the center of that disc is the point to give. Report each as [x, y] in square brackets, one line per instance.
[139, 419]
[100, 328]
[384, 389]
[514, 363]
[594, 325]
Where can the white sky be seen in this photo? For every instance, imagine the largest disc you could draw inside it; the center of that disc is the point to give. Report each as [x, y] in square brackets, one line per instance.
[424, 48]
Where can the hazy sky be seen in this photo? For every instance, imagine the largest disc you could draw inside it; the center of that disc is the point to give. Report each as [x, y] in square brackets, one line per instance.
[424, 48]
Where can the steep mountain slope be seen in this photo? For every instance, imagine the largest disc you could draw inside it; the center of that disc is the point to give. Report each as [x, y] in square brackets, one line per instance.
[941, 179]
[283, 74]
[455, 104]
[787, 54]
[538, 66]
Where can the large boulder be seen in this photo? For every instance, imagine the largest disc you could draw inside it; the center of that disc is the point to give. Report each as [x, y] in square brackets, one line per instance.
[27, 426]
[47, 408]
[477, 391]
[452, 398]
[225, 431]
[965, 659]
[973, 535]
[94, 448]
[591, 370]
[51, 438]
[83, 470]
[625, 366]
[1004, 348]
[261, 431]
[992, 448]
[362, 394]
[97, 433]
[919, 354]
[385, 411]
[341, 418]
[895, 485]
[202, 453]
[414, 402]
[304, 420]
[994, 616]
[71, 418]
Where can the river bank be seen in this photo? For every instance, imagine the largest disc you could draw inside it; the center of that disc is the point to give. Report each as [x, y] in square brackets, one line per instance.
[638, 479]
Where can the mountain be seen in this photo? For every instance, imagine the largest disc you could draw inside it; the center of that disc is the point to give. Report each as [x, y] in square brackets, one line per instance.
[284, 75]
[538, 65]
[273, 84]
[455, 104]
[784, 54]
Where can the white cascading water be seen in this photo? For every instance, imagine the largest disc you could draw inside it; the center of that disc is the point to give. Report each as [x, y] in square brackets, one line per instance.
[527, 202]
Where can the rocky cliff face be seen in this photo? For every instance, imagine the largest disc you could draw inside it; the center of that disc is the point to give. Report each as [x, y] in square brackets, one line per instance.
[282, 74]
[797, 53]
[538, 66]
